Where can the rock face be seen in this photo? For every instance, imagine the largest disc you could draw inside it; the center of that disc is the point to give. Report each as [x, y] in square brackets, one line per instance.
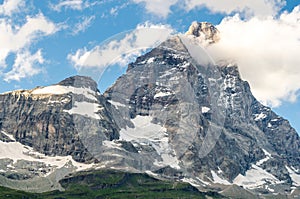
[213, 127]
[207, 32]
[43, 118]
[174, 114]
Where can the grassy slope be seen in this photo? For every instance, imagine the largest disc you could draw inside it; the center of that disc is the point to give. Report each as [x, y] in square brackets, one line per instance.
[113, 184]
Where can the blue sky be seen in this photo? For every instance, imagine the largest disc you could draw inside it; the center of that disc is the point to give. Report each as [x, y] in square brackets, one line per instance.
[43, 42]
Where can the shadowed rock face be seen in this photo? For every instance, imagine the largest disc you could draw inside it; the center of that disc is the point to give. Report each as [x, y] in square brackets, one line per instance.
[171, 113]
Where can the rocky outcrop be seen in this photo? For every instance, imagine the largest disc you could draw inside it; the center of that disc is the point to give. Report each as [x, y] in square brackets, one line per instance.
[40, 118]
[205, 31]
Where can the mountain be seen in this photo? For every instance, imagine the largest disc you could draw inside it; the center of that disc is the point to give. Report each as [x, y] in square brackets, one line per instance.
[174, 115]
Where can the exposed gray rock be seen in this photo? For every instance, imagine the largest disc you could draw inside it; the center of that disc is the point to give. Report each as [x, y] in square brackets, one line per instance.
[174, 113]
[41, 120]
[213, 121]
[207, 32]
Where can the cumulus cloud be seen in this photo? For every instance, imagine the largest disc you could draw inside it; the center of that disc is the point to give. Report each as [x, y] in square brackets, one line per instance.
[120, 51]
[158, 7]
[25, 65]
[267, 53]
[247, 7]
[11, 6]
[83, 25]
[16, 39]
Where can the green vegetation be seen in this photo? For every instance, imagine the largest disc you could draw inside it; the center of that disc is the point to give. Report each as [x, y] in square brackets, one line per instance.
[113, 184]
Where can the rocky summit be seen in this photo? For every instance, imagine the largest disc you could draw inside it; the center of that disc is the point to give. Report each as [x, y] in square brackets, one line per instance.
[204, 31]
[175, 115]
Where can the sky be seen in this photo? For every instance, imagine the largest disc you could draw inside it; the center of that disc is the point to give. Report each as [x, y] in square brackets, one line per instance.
[44, 42]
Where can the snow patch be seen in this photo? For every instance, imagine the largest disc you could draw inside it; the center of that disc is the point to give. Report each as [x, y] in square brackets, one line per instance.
[205, 109]
[166, 73]
[112, 144]
[175, 78]
[63, 101]
[268, 156]
[145, 131]
[260, 116]
[191, 182]
[162, 94]
[254, 178]
[295, 177]
[17, 151]
[150, 173]
[9, 136]
[219, 170]
[116, 104]
[151, 60]
[202, 181]
[185, 65]
[217, 179]
[86, 109]
[60, 90]
[266, 153]
[167, 159]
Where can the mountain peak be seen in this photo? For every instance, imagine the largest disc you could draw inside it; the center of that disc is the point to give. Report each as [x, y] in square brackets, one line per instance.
[205, 31]
[79, 82]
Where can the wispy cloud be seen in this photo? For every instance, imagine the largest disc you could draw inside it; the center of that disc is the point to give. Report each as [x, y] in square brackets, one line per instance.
[68, 4]
[114, 11]
[73, 5]
[83, 24]
[267, 53]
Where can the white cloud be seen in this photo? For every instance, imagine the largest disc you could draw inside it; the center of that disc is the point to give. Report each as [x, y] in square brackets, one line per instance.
[267, 53]
[14, 38]
[11, 6]
[18, 39]
[121, 51]
[72, 4]
[24, 66]
[248, 7]
[158, 7]
[83, 25]
[113, 11]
